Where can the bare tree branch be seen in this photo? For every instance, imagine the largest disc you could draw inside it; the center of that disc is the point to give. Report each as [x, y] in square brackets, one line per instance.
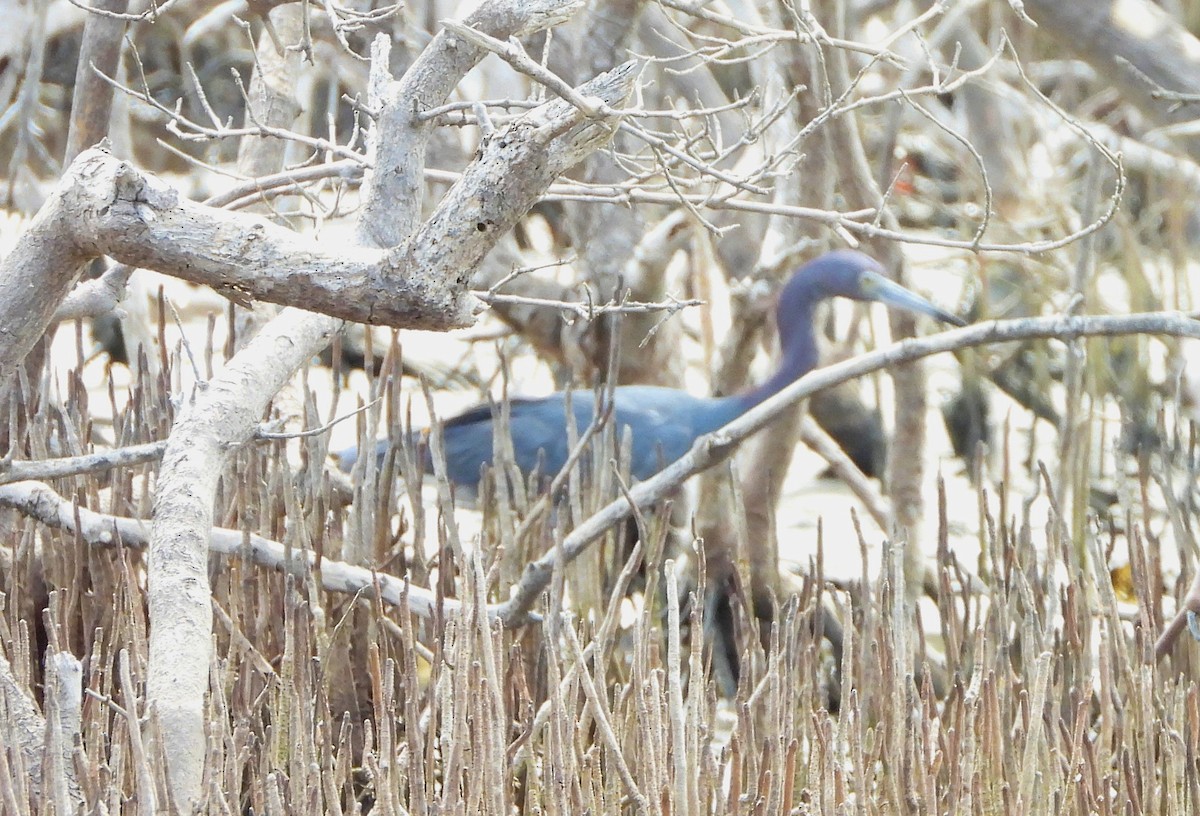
[40, 501]
[1136, 45]
[99, 53]
[79, 465]
[395, 197]
[513, 167]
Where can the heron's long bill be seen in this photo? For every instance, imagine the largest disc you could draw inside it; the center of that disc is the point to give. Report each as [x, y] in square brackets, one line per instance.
[883, 290]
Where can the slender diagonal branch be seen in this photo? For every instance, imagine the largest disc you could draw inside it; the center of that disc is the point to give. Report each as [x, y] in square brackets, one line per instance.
[40, 501]
[712, 448]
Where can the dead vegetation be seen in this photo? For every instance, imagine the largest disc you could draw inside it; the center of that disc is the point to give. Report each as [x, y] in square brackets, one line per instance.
[1036, 691]
[200, 613]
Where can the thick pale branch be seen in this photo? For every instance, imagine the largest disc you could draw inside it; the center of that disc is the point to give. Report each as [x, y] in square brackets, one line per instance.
[34, 278]
[99, 55]
[95, 297]
[218, 417]
[106, 206]
[511, 170]
[394, 197]
[140, 221]
[137, 219]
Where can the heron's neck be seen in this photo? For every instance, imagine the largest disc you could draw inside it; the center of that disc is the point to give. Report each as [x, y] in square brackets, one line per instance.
[798, 353]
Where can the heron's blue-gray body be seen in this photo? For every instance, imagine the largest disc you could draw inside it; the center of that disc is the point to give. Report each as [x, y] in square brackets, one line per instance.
[664, 422]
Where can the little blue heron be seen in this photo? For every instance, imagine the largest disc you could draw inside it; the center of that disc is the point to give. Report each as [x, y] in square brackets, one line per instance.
[664, 422]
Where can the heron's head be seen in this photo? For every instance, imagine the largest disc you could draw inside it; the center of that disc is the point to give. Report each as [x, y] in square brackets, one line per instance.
[851, 274]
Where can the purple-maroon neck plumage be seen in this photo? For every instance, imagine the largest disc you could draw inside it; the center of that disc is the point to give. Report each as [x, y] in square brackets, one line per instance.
[833, 274]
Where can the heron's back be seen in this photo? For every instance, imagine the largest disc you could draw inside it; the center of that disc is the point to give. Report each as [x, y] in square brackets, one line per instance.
[662, 424]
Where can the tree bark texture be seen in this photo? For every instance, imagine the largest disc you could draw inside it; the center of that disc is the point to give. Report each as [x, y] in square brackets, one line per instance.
[99, 54]
[1137, 46]
[396, 189]
[512, 168]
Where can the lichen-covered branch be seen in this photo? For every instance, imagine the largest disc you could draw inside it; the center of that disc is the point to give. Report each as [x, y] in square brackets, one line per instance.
[396, 191]
[511, 170]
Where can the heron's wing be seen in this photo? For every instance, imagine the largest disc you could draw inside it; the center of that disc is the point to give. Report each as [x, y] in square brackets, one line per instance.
[663, 423]
[483, 411]
[537, 428]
